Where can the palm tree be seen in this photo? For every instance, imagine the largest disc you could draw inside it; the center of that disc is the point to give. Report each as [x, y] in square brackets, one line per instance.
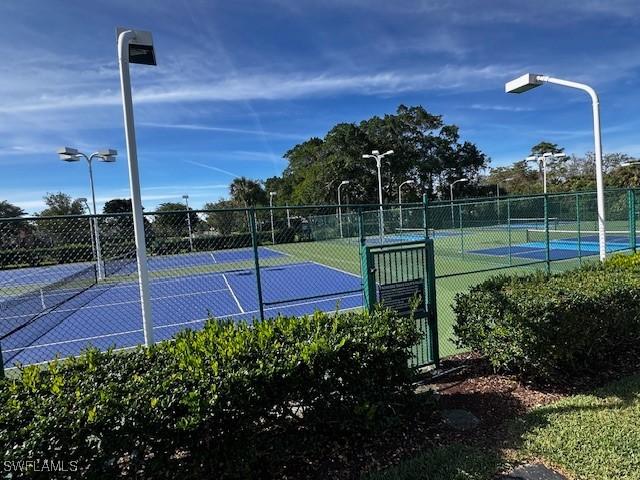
[247, 192]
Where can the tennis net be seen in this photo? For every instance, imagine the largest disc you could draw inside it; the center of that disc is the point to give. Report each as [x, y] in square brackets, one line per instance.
[26, 309]
[616, 239]
[123, 264]
[533, 222]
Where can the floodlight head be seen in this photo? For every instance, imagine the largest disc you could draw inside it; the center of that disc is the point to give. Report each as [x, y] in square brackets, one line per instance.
[68, 151]
[410, 181]
[560, 155]
[376, 152]
[463, 180]
[81, 200]
[345, 182]
[531, 158]
[388, 152]
[633, 163]
[108, 155]
[272, 193]
[523, 83]
[140, 47]
[547, 154]
[185, 197]
[69, 158]
[367, 156]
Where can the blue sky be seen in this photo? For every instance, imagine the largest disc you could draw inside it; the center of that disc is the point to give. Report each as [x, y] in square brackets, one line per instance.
[240, 82]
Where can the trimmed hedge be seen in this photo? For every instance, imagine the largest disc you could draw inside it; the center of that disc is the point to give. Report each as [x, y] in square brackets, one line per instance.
[228, 401]
[554, 326]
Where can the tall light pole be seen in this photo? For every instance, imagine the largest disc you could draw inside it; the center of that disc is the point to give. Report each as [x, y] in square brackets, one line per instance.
[406, 182]
[273, 233]
[531, 80]
[542, 161]
[460, 180]
[68, 154]
[343, 183]
[136, 47]
[378, 157]
[186, 202]
[93, 238]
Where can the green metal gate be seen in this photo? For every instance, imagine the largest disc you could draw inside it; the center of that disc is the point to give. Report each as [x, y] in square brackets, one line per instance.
[401, 276]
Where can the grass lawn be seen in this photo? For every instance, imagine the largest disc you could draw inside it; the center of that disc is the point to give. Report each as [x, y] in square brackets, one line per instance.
[587, 437]
[595, 437]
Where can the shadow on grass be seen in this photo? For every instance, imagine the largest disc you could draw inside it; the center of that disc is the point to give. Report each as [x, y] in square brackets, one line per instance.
[586, 434]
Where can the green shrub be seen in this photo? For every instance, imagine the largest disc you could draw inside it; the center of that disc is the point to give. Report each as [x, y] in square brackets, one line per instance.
[231, 400]
[551, 326]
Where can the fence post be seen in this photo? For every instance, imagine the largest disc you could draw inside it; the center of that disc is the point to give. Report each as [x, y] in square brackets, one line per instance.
[431, 302]
[254, 244]
[2, 375]
[631, 199]
[578, 221]
[461, 230]
[366, 268]
[425, 204]
[509, 226]
[546, 232]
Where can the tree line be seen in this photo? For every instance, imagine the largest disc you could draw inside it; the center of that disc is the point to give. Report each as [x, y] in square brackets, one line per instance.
[427, 151]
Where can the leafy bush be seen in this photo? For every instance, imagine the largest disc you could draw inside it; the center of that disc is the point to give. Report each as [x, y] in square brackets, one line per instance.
[231, 400]
[551, 326]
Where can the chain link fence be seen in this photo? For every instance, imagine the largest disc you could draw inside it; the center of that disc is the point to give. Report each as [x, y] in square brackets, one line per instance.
[67, 283]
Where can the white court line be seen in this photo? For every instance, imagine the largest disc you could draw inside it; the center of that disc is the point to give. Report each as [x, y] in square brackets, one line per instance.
[87, 307]
[213, 258]
[276, 251]
[336, 269]
[190, 322]
[233, 293]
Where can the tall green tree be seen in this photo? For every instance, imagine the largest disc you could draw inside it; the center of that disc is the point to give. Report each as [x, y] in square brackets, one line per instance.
[426, 150]
[175, 224]
[223, 220]
[247, 192]
[117, 205]
[8, 210]
[61, 204]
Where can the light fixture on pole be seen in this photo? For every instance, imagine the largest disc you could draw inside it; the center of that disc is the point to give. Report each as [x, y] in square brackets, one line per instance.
[406, 182]
[344, 182]
[542, 161]
[136, 46]
[68, 154]
[273, 233]
[378, 157]
[186, 202]
[531, 80]
[460, 180]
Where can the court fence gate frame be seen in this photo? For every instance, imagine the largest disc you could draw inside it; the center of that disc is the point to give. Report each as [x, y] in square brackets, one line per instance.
[256, 263]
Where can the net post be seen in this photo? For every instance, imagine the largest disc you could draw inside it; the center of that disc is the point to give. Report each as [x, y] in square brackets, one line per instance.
[631, 199]
[546, 233]
[431, 303]
[509, 227]
[254, 244]
[578, 221]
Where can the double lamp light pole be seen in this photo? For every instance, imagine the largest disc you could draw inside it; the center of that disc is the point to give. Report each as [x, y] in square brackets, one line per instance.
[68, 154]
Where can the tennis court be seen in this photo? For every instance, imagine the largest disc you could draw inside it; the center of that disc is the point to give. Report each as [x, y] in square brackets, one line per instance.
[563, 245]
[108, 313]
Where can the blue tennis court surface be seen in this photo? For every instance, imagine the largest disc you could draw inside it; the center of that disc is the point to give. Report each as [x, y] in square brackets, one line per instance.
[560, 249]
[108, 315]
[50, 274]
